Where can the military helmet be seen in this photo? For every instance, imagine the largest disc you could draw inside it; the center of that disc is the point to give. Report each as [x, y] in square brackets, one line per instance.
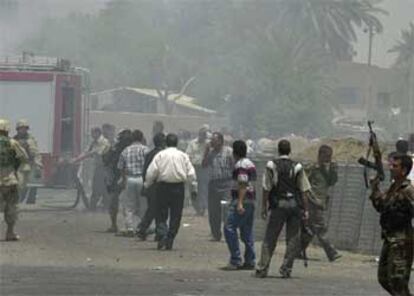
[4, 125]
[22, 123]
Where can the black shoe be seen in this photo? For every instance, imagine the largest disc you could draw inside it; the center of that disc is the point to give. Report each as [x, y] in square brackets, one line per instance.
[161, 245]
[142, 236]
[247, 267]
[284, 272]
[261, 274]
[169, 245]
[231, 267]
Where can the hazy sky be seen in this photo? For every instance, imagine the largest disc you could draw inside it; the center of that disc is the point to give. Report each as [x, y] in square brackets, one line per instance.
[28, 17]
[16, 27]
[401, 12]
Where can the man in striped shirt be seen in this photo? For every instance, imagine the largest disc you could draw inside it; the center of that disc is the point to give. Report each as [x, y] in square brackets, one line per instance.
[241, 210]
[131, 164]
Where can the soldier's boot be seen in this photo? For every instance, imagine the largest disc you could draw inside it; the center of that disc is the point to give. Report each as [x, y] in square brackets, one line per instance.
[333, 257]
[330, 251]
[10, 234]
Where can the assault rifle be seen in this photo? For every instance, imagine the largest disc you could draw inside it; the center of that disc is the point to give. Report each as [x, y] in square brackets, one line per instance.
[377, 163]
[306, 230]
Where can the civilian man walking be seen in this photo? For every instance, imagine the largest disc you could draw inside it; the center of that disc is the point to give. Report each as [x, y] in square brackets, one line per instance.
[170, 169]
[241, 211]
[219, 159]
[131, 164]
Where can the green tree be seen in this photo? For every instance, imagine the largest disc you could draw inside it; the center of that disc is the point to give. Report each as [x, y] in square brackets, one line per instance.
[405, 48]
[247, 59]
[405, 63]
[332, 22]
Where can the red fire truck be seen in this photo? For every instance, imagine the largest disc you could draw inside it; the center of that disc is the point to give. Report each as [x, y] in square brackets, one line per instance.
[52, 96]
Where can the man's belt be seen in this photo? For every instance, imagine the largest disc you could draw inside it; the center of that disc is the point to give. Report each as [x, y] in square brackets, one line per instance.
[134, 176]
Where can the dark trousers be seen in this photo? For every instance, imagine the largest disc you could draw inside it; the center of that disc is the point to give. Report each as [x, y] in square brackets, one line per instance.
[170, 198]
[113, 206]
[277, 219]
[152, 210]
[217, 191]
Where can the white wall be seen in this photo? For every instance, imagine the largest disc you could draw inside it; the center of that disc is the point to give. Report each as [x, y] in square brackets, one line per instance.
[32, 101]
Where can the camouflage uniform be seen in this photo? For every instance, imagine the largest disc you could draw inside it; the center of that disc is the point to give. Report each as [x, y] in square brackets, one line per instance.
[11, 156]
[320, 179]
[27, 171]
[396, 208]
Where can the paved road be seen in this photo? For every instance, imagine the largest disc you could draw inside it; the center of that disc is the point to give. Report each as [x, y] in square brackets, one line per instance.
[67, 253]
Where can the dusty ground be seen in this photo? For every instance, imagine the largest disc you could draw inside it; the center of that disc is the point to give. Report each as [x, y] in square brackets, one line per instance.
[67, 253]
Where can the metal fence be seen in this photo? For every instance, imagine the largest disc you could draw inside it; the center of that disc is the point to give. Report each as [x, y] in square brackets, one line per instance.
[352, 221]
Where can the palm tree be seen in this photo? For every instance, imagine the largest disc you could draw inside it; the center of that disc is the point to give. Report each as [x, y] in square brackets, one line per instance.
[405, 48]
[405, 62]
[333, 22]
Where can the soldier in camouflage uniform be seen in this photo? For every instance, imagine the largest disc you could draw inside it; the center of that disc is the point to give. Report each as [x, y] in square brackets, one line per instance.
[321, 175]
[396, 208]
[31, 169]
[12, 155]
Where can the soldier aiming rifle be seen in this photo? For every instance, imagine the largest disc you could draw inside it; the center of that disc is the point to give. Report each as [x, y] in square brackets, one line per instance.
[396, 209]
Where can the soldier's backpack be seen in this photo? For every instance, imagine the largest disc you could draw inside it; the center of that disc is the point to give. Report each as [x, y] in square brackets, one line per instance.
[286, 187]
[7, 153]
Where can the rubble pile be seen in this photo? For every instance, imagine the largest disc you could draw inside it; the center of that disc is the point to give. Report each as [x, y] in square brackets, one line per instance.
[345, 150]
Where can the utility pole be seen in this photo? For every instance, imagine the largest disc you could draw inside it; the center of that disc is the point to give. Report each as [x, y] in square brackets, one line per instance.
[411, 97]
[369, 104]
[371, 39]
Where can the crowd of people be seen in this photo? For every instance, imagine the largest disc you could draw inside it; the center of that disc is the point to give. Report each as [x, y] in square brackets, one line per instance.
[147, 182]
[219, 173]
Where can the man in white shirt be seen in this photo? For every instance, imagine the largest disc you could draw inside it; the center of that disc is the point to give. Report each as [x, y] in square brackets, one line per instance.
[195, 151]
[170, 169]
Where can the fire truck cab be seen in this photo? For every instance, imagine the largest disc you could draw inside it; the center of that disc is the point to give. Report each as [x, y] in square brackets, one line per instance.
[50, 94]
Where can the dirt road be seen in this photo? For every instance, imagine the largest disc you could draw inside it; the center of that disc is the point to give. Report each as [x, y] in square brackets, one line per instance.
[68, 253]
